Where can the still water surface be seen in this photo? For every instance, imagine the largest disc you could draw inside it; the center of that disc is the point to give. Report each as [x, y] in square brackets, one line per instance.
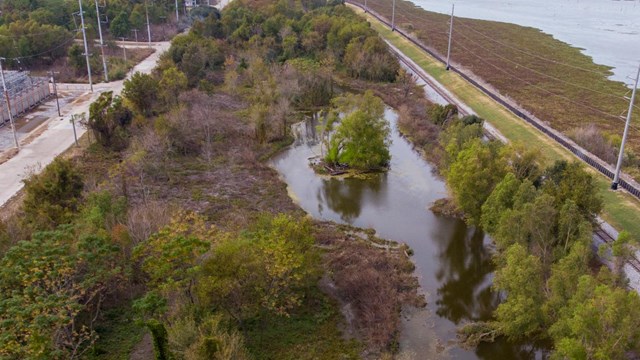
[453, 261]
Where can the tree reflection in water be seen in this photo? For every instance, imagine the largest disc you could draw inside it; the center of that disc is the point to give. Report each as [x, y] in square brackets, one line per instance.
[465, 272]
[346, 197]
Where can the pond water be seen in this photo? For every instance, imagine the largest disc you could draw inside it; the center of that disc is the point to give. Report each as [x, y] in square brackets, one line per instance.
[453, 261]
[607, 30]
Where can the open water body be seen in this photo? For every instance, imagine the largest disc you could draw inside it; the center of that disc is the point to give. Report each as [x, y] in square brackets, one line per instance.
[607, 30]
[453, 261]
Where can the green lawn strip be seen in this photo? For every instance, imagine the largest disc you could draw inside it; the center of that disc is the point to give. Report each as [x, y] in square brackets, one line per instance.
[311, 332]
[621, 210]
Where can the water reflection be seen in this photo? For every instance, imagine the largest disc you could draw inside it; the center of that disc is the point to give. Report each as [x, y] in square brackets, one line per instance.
[346, 196]
[453, 263]
[464, 272]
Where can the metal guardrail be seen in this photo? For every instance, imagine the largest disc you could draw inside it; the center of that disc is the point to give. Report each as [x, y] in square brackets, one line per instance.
[582, 154]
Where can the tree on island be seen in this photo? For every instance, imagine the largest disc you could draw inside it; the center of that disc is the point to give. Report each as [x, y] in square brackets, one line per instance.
[361, 140]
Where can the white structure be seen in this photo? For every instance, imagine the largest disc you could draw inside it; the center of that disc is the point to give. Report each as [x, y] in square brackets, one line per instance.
[25, 93]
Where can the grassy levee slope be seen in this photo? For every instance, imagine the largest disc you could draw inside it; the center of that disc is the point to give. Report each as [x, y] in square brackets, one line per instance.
[621, 210]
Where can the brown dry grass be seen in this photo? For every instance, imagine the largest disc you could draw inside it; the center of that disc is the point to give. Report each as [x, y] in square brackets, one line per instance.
[372, 284]
[527, 79]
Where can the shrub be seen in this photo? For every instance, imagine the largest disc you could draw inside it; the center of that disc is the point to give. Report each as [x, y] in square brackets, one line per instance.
[52, 197]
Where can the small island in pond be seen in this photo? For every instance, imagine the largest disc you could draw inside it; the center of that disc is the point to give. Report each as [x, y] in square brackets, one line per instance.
[355, 136]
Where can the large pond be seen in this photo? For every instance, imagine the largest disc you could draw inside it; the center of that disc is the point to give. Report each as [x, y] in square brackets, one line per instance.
[453, 261]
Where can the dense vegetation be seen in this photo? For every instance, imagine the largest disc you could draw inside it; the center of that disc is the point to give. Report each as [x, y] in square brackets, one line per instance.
[356, 134]
[542, 221]
[170, 221]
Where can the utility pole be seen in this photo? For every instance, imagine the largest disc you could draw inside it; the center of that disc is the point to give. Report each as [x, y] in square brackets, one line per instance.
[73, 123]
[124, 50]
[146, 10]
[393, 16]
[616, 178]
[365, 6]
[450, 36]
[164, 19]
[104, 60]
[6, 96]
[177, 14]
[135, 31]
[55, 90]
[86, 48]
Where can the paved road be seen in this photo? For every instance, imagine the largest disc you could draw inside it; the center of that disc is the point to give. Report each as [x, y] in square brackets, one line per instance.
[58, 135]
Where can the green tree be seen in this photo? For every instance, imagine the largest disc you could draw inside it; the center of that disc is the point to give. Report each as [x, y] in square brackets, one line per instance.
[108, 119]
[563, 281]
[172, 83]
[573, 182]
[361, 139]
[267, 269]
[76, 59]
[141, 91]
[53, 196]
[500, 200]
[51, 290]
[600, 322]
[171, 258]
[476, 170]
[455, 136]
[520, 276]
[624, 248]
[120, 26]
[370, 60]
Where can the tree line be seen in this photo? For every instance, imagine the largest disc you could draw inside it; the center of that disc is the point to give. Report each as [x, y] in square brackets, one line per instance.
[542, 221]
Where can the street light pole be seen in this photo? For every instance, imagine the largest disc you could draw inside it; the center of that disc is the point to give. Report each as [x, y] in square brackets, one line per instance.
[55, 90]
[124, 50]
[146, 10]
[616, 178]
[104, 60]
[393, 16]
[6, 95]
[86, 47]
[450, 36]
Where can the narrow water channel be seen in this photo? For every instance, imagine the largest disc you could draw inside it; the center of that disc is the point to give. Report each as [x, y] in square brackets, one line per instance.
[453, 261]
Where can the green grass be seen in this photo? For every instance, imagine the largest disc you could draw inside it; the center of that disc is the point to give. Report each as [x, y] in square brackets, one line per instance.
[621, 210]
[118, 335]
[312, 332]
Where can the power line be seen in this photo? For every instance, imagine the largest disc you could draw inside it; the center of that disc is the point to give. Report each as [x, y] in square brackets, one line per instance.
[461, 23]
[545, 90]
[416, 17]
[620, 97]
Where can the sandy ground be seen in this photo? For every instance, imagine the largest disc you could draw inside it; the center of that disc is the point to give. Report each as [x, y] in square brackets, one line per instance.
[56, 133]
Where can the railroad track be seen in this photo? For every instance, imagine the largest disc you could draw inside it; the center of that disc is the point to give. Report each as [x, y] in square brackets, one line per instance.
[435, 87]
[607, 238]
[607, 170]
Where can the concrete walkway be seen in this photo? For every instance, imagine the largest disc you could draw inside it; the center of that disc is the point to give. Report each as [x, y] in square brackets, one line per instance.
[57, 135]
